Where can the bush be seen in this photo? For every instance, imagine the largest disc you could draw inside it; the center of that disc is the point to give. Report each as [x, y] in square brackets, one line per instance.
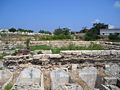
[8, 86]
[62, 31]
[56, 37]
[92, 35]
[114, 37]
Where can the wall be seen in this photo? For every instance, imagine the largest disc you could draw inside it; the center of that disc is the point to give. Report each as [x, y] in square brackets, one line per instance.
[65, 57]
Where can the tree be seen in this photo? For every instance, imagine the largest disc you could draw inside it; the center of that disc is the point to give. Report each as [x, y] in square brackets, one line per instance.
[12, 30]
[44, 32]
[62, 31]
[94, 32]
[84, 30]
[100, 26]
[114, 36]
[21, 30]
[30, 31]
[66, 31]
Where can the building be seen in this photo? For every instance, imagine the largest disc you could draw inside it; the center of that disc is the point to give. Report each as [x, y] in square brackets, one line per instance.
[109, 31]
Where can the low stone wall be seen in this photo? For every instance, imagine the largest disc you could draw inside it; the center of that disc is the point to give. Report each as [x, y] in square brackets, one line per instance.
[102, 55]
[81, 56]
[60, 43]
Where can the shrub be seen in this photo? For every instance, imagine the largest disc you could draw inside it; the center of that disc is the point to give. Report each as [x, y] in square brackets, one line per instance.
[114, 37]
[92, 35]
[8, 86]
[56, 37]
[62, 31]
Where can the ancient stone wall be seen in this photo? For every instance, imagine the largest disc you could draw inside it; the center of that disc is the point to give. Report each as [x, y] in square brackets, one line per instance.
[60, 43]
[65, 57]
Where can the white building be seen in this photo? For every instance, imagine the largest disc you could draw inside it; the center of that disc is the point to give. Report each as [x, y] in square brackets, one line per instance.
[109, 31]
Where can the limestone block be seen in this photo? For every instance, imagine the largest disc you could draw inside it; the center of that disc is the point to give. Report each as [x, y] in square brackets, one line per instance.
[29, 79]
[113, 70]
[89, 75]
[58, 78]
[113, 87]
[55, 55]
[74, 68]
[103, 87]
[73, 86]
[110, 80]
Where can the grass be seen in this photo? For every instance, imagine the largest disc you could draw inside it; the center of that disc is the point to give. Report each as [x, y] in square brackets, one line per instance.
[1, 56]
[56, 37]
[41, 47]
[8, 86]
[70, 47]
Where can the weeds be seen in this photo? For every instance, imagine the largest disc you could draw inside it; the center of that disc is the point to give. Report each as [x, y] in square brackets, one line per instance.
[69, 47]
[8, 86]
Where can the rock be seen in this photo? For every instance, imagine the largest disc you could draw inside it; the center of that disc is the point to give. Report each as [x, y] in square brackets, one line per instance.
[58, 77]
[89, 75]
[60, 81]
[113, 70]
[52, 56]
[103, 87]
[1, 64]
[29, 79]
[110, 80]
[113, 87]
[43, 52]
[73, 86]
[74, 68]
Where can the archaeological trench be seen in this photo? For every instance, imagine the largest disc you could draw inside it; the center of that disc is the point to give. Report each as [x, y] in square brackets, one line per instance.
[69, 70]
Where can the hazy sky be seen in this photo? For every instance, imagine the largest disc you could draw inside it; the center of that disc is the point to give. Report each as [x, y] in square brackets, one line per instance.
[51, 14]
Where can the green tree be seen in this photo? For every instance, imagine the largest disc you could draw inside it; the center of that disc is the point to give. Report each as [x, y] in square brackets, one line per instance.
[12, 30]
[62, 31]
[94, 32]
[44, 32]
[21, 30]
[84, 30]
[30, 31]
[100, 26]
[66, 31]
[114, 36]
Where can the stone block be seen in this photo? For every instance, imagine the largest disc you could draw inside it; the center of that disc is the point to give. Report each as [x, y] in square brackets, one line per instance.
[110, 80]
[89, 75]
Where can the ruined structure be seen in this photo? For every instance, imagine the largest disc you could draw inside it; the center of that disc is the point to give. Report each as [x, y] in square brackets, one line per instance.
[60, 80]
[29, 79]
[95, 57]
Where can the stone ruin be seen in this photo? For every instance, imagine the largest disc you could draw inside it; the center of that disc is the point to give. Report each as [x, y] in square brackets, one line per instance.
[60, 80]
[5, 78]
[29, 79]
[95, 57]
[76, 70]
[89, 75]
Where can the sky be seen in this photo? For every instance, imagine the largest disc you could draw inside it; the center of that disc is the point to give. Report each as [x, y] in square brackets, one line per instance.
[51, 14]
